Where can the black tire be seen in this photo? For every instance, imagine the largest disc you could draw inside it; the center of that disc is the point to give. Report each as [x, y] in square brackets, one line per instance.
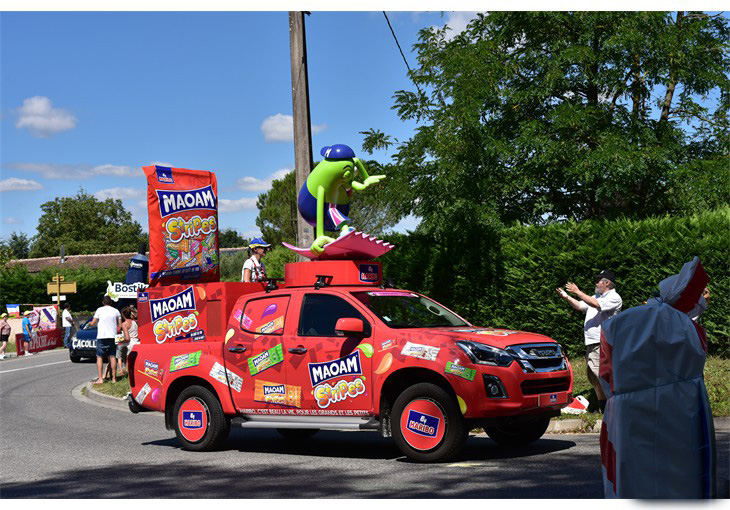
[74, 359]
[455, 433]
[217, 424]
[519, 433]
[297, 434]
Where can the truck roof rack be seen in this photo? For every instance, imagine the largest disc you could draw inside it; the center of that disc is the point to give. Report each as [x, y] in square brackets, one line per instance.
[271, 284]
[323, 280]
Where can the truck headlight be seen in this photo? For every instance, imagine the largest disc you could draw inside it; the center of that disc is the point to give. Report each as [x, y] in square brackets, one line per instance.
[485, 355]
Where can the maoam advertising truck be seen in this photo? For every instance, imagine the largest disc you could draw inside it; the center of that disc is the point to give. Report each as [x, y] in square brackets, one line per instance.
[330, 347]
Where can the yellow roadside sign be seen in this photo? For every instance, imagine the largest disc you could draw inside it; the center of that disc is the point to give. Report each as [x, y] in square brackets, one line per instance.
[65, 288]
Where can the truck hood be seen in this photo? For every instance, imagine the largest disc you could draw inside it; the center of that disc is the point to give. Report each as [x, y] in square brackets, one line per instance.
[500, 338]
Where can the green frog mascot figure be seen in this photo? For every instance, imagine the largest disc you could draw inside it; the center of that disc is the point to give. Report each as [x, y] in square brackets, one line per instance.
[324, 200]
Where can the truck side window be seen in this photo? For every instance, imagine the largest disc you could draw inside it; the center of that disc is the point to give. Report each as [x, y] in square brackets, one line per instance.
[320, 313]
[265, 316]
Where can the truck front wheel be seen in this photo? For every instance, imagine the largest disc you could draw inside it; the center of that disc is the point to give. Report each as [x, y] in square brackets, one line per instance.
[200, 424]
[427, 423]
[518, 433]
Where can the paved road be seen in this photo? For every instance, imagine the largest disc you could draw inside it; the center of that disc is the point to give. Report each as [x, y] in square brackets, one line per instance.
[56, 445]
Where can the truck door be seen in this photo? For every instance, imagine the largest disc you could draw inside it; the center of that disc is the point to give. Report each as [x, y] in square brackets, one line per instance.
[255, 352]
[332, 371]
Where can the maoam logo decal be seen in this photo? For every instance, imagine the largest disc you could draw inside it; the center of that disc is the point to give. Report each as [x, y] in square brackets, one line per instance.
[172, 202]
[349, 365]
[369, 273]
[422, 424]
[182, 301]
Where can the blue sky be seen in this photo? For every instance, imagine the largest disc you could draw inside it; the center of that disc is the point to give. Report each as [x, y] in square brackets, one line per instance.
[90, 98]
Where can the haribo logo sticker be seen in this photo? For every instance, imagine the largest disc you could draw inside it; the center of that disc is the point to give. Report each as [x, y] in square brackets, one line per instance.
[327, 394]
[193, 420]
[422, 424]
[349, 365]
[369, 273]
[164, 175]
[172, 202]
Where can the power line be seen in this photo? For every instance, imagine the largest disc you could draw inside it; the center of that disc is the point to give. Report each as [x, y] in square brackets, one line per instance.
[401, 50]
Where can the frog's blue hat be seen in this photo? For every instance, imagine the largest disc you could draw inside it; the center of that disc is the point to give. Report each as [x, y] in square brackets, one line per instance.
[338, 151]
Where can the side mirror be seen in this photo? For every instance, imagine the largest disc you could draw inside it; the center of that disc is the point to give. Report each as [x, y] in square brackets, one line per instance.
[348, 326]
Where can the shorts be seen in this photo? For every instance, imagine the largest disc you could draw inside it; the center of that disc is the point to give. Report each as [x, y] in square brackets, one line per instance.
[122, 350]
[4, 338]
[105, 347]
[334, 214]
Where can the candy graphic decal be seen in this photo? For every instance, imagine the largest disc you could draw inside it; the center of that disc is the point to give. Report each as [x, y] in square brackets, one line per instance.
[219, 373]
[143, 393]
[385, 364]
[461, 371]
[271, 309]
[420, 351]
[277, 393]
[265, 360]
[366, 349]
[191, 359]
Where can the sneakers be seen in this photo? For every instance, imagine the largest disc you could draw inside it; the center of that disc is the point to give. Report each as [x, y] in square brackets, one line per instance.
[28, 354]
[2, 356]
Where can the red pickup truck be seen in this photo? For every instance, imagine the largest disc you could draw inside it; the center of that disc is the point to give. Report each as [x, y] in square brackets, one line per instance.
[330, 347]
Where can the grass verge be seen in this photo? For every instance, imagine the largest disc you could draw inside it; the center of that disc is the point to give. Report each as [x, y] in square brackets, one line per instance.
[115, 389]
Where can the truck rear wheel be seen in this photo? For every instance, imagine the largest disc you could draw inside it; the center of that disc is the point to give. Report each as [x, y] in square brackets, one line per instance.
[427, 424]
[200, 424]
[518, 433]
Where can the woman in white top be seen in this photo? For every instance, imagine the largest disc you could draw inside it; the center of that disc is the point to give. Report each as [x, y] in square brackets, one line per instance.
[254, 269]
[131, 336]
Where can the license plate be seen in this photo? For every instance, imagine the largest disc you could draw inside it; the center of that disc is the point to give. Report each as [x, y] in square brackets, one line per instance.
[551, 399]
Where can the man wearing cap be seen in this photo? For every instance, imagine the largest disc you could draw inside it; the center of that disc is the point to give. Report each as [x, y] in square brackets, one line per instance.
[254, 269]
[605, 304]
[4, 334]
[27, 330]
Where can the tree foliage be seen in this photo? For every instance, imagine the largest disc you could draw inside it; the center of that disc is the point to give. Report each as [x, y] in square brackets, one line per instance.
[537, 116]
[373, 211]
[85, 225]
[230, 238]
[18, 245]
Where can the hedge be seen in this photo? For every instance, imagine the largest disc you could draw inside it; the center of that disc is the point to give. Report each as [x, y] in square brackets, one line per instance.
[515, 285]
[17, 285]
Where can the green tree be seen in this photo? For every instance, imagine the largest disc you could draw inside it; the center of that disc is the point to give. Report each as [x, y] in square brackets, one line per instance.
[277, 216]
[85, 225]
[373, 211]
[18, 244]
[537, 116]
[230, 238]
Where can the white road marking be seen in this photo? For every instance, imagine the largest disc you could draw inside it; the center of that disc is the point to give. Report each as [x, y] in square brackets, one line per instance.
[466, 464]
[34, 366]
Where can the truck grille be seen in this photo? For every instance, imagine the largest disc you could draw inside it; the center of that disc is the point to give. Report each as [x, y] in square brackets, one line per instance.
[539, 357]
[536, 386]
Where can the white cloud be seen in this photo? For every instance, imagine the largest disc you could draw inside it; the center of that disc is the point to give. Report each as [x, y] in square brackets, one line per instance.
[280, 128]
[12, 221]
[38, 115]
[227, 205]
[121, 193]
[14, 184]
[457, 22]
[81, 171]
[255, 184]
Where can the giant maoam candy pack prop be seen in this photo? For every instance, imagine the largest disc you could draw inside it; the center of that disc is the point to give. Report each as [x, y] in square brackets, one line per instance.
[183, 214]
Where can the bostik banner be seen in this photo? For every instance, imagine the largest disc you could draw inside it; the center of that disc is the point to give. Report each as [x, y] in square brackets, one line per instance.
[183, 223]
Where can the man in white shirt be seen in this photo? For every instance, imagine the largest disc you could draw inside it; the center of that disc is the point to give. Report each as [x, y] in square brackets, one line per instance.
[109, 322]
[598, 308]
[67, 321]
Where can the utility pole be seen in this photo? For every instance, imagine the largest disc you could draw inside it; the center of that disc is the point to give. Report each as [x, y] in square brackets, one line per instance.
[302, 123]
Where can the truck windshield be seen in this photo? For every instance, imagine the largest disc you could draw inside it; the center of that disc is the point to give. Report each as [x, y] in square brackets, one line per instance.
[399, 309]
